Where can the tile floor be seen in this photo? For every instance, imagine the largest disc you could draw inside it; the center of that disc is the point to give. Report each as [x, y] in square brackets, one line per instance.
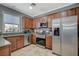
[33, 50]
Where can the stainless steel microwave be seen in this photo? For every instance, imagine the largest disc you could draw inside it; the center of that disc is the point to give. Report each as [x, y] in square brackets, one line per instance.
[43, 25]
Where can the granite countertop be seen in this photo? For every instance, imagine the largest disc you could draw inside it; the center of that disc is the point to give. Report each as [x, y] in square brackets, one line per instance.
[15, 34]
[4, 42]
[12, 35]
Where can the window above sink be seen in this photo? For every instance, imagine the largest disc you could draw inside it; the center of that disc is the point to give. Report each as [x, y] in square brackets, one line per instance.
[11, 23]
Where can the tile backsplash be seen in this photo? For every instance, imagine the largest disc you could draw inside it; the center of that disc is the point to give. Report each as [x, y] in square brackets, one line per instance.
[44, 31]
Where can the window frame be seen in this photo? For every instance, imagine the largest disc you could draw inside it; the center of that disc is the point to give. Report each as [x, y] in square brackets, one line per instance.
[19, 25]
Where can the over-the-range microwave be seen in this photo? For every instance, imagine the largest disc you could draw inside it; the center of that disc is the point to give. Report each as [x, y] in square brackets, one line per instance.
[43, 25]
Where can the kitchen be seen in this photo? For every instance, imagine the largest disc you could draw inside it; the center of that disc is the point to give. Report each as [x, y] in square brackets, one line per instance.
[52, 33]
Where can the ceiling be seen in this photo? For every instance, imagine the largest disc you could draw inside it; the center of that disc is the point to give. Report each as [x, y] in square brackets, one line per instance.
[39, 9]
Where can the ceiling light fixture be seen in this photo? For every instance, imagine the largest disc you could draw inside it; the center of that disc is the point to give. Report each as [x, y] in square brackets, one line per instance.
[32, 5]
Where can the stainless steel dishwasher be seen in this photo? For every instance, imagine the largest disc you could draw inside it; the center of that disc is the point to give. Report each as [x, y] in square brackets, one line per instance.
[27, 39]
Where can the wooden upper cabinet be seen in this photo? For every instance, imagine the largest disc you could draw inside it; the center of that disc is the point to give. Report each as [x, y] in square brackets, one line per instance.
[57, 15]
[64, 14]
[71, 12]
[50, 18]
[43, 19]
[49, 22]
[34, 23]
[26, 22]
[77, 12]
[30, 23]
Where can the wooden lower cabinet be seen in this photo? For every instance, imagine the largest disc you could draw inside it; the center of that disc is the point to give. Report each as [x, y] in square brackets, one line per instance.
[17, 42]
[5, 51]
[13, 43]
[49, 42]
[33, 39]
[20, 42]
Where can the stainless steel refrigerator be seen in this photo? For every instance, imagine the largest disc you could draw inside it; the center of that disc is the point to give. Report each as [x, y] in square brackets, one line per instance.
[64, 36]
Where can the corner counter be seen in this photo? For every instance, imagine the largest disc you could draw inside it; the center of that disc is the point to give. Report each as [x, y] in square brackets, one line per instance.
[4, 42]
[4, 47]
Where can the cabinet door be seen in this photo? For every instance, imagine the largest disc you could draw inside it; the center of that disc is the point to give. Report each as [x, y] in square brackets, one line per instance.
[50, 18]
[5, 51]
[27, 23]
[57, 15]
[20, 42]
[64, 14]
[30, 23]
[71, 12]
[34, 23]
[33, 39]
[13, 43]
[48, 42]
[24, 22]
[77, 12]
